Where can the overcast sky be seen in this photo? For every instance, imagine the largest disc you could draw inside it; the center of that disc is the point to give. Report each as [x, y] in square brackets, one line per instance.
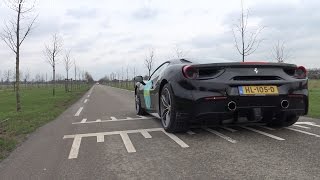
[105, 36]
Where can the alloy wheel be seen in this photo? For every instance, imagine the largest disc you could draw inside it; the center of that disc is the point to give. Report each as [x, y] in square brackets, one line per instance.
[165, 107]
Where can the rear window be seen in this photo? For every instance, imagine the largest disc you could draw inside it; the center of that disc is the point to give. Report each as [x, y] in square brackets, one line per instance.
[211, 60]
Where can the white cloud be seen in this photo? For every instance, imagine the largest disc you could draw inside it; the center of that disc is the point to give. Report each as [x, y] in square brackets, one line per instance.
[107, 35]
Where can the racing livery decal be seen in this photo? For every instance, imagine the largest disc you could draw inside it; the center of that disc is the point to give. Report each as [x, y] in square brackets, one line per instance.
[146, 94]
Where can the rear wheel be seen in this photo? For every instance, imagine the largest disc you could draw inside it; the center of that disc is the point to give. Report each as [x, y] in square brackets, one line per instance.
[171, 120]
[283, 120]
[139, 109]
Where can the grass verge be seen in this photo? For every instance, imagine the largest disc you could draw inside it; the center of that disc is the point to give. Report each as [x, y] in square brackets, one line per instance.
[38, 108]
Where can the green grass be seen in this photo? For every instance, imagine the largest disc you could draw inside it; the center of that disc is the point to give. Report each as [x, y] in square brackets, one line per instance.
[314, 90]
[38, 108]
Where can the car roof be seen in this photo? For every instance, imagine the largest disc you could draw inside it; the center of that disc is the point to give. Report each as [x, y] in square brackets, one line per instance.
[179, 61]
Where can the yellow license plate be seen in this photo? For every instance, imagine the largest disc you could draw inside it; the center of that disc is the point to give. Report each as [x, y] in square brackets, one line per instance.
[258, 90]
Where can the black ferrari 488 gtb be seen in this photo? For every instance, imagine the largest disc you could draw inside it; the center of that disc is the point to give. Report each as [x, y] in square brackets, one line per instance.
[182, 92]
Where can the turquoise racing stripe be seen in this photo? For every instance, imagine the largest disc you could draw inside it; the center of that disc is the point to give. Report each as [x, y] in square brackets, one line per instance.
[146, 94]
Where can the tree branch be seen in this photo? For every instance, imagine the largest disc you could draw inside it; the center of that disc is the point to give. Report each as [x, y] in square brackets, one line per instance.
[28, 30]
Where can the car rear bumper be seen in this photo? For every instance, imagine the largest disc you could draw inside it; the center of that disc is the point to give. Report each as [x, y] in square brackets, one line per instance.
[208, 101]
[251, 107]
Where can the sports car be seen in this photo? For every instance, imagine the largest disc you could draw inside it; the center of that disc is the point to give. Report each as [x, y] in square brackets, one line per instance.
[183, 92]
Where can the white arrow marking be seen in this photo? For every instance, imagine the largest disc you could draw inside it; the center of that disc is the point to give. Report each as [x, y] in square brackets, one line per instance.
[228, 129]
[145, 134]
[308, 123]
[304, 127]
[304, 132]
[221, 135]
[263, 133]
[75, 147]
[127, 142]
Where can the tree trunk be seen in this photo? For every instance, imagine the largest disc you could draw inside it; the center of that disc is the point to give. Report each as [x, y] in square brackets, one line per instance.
[67, 81]
[54, 80]
[17, 62]
[242, 31]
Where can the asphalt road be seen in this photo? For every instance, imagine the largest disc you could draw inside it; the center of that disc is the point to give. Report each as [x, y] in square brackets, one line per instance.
[100, 137]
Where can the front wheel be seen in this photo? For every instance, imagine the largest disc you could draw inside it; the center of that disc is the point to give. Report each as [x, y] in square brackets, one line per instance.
[139, 109]
[171, 120]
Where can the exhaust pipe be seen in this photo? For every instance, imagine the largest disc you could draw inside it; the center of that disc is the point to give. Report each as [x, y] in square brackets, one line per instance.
[232, 106]
[285, 104]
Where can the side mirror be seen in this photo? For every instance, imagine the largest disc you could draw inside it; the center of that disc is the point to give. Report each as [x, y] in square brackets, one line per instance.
[139, 79]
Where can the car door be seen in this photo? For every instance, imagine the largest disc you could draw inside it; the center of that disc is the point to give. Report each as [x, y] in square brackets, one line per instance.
[155, 81]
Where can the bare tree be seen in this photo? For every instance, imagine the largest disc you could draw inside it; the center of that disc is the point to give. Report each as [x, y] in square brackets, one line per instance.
[7, 75]
[51, 52]
[149, 62]
[1, 79]
[75, 69]
[134, 71]
[37, 77]
[279, 52]
[79, 75]
[67, 65]
[248, 42]
[14, 34]
[179, 53]
[26, 77]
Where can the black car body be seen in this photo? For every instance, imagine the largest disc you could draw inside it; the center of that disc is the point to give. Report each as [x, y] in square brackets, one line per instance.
[218, 93]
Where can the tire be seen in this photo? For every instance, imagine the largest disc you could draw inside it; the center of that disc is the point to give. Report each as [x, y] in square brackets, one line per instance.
[171, 120]
[139, 109]
[283, 120]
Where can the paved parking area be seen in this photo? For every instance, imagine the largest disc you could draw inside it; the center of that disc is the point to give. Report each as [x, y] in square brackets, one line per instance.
[100, 137]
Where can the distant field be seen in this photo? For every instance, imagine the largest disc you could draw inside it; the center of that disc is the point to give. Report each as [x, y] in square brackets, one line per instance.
[314, 89]
[38, 108]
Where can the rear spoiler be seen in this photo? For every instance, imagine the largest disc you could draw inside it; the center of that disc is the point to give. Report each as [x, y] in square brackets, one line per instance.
[245, 65]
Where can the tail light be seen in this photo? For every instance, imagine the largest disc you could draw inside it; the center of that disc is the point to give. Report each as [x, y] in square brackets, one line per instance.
[300, 72]
[190, 72]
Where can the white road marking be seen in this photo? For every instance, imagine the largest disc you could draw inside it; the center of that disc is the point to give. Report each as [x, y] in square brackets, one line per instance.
[79, 111]
[143, 117]
[85, 101]
[191, 132]
[263, 133]
[88, 95]
[304, 132]
[220, 135]
[113, 119]
[111, 133]
[176, 139]
[155, 115]
[304, 127]
[127, 142]
[84, 120]
[100, 138]
[268, 128]
[228, 129]
[308, 123]
[75, 148]
[129, 118]
[125, 138]
[145, 134]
